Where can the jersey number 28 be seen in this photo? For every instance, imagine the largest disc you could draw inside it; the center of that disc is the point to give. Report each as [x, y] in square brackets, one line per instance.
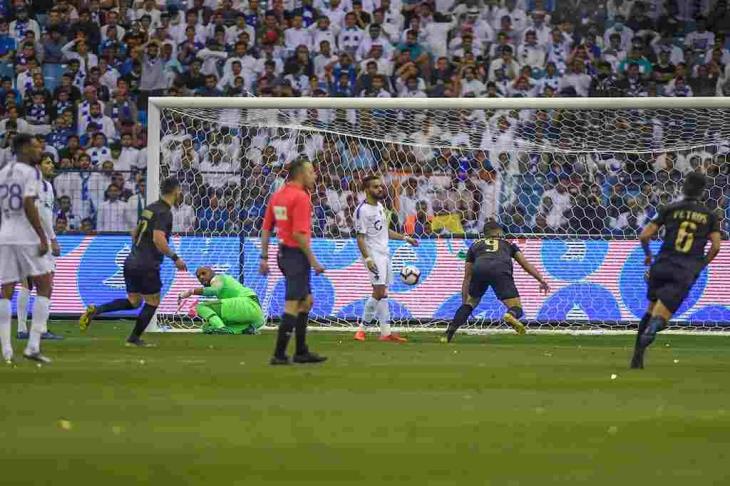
[14, 195]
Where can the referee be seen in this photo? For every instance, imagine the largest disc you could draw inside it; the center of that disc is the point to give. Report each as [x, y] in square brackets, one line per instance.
[290, 210]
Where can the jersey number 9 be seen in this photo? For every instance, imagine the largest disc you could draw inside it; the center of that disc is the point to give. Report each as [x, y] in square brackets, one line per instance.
[685, 236]
[491, 245]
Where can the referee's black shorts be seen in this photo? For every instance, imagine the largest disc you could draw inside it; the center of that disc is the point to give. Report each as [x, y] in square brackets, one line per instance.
[297, 272]
[140, 278]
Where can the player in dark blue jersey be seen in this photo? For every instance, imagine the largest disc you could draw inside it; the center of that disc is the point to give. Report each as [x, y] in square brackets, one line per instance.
[688, 226]
[142, 266]
[489, 264]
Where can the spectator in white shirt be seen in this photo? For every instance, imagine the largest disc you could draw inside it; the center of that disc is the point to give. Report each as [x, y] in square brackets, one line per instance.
[86, 59]
[531, 53]
[95, 116]
[700, 39]
[322, 31]
[183, 216]
[517, 16]
[99, 152]
[539, 25]
[149, 8]
[323, 59]
[375, 37]
[111, 215]
[297, 35]
[577, 79]
[620, 28]
[376, 55]
[130, 157]
[470, 83]
[506, 64]
[233, 33]
[336, 14]
[22, 23]
[112, 20]
[350, 37]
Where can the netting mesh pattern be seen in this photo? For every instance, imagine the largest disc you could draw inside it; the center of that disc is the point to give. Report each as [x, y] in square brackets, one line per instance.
[593, 177]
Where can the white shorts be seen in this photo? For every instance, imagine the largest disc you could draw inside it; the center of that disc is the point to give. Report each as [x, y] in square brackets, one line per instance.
[18, 262]
[385, 273]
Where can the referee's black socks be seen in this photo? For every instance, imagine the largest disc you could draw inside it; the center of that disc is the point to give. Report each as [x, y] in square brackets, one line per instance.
[288, 323]
[143, 320]
[301, 333]
[462, 314]
[115, 305]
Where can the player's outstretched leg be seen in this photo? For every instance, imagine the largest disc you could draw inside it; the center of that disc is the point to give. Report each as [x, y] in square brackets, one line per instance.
[115, 305]
[23, 300]
[514, 314]
[368, 314]
[462, 314]
[660, 315]
[143, 320]
[637, 360]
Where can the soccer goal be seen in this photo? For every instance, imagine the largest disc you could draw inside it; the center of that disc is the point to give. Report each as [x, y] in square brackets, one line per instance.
[572, 180]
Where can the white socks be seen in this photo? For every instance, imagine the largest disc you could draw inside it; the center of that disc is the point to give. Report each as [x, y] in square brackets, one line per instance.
[382, 312]
[7, 347]
[23, 299]
[368, 314]
[41, 309]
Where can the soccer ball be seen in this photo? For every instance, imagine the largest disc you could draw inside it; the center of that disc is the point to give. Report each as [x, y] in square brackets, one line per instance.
[410, 275]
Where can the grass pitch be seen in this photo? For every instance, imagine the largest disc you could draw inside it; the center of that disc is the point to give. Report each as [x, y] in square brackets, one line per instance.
[497, 410]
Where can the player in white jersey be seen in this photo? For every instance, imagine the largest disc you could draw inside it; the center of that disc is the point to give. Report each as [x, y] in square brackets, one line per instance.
[373, 233]
[23, 244]
[44, 203]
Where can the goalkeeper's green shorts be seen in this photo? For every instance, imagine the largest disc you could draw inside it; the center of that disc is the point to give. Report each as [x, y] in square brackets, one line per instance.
[240, 314]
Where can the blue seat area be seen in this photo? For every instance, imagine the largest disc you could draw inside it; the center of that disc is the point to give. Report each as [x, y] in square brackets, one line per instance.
[52, 75]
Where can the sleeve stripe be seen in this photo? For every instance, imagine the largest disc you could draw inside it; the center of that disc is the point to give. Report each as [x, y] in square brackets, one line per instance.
[357, 211]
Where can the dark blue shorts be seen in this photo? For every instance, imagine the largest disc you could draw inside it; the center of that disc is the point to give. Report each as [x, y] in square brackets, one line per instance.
[670, 282]
[142, 279]
[297, 272]
[501, 281]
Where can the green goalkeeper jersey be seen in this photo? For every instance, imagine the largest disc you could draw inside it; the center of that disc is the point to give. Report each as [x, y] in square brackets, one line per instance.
[226, 287]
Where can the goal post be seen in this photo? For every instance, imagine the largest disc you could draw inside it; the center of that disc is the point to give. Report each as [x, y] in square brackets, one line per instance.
[571, 179]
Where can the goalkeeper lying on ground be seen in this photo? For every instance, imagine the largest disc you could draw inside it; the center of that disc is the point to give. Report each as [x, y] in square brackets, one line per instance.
[237, 310]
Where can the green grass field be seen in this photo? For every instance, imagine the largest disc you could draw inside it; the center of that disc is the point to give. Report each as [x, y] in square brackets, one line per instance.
[498, 410]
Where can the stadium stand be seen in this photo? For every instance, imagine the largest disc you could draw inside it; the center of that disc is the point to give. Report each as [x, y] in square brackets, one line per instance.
[78, 75]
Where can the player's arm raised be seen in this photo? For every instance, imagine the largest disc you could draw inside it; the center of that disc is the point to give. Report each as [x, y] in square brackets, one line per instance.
[534, 272]
[31, 212]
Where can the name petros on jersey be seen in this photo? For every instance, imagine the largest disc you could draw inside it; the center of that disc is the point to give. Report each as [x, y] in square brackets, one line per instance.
[687, 215]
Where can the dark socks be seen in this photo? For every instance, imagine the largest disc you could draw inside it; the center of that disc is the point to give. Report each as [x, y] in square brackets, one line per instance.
[462, 314]
[115, 305]
[655, 325]
[642, 327]
[287, 325]
[143, 320]
[301, 333]
[516, 312]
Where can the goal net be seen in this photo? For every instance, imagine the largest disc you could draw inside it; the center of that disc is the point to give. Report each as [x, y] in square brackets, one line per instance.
[572, 181]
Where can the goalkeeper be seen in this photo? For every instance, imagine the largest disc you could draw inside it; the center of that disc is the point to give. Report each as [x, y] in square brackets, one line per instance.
[237, 310]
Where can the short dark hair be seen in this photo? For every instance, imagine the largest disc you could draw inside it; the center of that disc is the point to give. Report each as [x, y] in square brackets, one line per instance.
[296, 166]
[694, 185]
[368, 179]
[21, 140]
[491, 227]
[169, 185]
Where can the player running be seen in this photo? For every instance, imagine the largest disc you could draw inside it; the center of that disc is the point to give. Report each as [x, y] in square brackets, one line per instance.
[290, 211]
[688, 225]
[489, 264]
[373, 234]
[44, 203]
[237, 310]
[142, 266]
[23, 245]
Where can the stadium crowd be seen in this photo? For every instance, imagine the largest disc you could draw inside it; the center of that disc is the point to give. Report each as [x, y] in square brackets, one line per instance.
[78, 75]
